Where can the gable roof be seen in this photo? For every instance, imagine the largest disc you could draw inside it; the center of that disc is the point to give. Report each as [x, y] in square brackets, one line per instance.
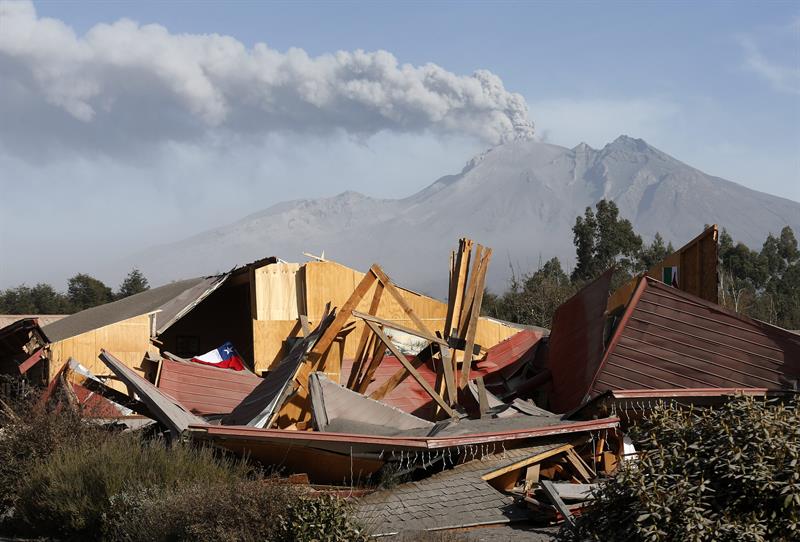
[174, 299]
[669, 339]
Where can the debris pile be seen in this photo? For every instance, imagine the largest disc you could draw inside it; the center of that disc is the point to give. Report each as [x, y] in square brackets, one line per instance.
[436, 417]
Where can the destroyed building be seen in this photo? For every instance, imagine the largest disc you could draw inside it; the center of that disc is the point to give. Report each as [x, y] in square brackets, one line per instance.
[348, 376]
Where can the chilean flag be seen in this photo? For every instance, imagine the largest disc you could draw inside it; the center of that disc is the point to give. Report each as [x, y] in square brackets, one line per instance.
[224, 357]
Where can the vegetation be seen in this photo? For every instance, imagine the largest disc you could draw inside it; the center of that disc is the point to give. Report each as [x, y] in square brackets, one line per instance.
[726, 474]
[763, 285]
[83, 292]
[66, 479]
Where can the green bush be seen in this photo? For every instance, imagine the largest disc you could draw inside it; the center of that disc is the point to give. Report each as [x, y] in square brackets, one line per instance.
[323, 518]
[28, 437]
[64, 478]
[69, 492]
[725, 474]
[224, 511]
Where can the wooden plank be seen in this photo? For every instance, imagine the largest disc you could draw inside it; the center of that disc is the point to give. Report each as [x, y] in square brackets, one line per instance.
[304, 325]
[476, 313]
[449, 375]
[401, 374]
[399, 355]
[388, 323]
[527, 461]
[577, 463]
[392, 289]
[458, 283]
[378, 353]
[470, 292]
[531, 475]
[365, 334]
[552, 494]
[341, 319]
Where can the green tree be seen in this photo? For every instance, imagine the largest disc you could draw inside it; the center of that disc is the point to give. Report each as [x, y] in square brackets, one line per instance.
[653, 253]
[134, 283]
[602, 240]
[533, 299]
[85, 291]
[40, 299]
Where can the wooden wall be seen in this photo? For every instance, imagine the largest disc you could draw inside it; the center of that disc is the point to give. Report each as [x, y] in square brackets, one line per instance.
[127, 340]
[697, 263]
[323, 282]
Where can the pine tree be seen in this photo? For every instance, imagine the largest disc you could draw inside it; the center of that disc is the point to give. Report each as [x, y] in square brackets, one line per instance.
[134, 283]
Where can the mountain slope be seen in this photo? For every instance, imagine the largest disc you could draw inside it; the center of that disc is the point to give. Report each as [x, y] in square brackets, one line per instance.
[520, 198]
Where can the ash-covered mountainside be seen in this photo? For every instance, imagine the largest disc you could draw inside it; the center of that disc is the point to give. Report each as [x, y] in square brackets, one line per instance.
[521, 198]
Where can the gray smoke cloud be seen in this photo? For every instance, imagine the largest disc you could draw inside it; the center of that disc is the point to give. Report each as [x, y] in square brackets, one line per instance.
[124, 82]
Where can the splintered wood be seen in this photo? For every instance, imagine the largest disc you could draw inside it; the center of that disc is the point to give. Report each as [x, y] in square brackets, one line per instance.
[444, 350]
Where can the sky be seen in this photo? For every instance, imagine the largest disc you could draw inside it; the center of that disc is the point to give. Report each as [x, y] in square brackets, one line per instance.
[129, 124]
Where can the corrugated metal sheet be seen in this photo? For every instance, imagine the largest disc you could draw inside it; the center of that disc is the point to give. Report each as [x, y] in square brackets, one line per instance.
[203, 389]
[576, 344]
[671, 339]
[517, 349]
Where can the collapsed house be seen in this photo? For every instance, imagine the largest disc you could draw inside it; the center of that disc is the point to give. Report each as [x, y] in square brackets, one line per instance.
[350, 378]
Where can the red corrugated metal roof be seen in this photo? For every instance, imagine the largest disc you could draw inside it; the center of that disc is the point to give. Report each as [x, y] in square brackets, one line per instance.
[519, 348]
[410, 397]
[576, 344]
[671, 339]
[204, 389]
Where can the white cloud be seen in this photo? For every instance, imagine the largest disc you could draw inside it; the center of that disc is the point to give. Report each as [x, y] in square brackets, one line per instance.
[124, 84]
[781, 77]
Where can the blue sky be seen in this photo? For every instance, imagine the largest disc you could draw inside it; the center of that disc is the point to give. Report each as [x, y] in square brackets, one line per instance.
[715, 84]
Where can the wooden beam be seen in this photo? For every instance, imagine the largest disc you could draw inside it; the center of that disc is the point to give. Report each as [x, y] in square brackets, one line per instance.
[538, 458]
[399, 355]
[365, 334]
[577, 463]
[324, 342]
[449, 376]
[426, 354]
[378, 352]
[552, 494]
[475, 316]
[388, 323]
[392, 289]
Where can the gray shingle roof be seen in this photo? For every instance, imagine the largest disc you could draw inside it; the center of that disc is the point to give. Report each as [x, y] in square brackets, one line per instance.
[135, 305]
[452, 498]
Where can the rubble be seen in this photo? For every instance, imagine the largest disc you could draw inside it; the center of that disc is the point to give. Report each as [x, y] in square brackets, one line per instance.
[351, 380]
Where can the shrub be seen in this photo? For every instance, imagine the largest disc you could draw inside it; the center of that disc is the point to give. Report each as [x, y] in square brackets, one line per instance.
[69, 493]
[223, 511]
[28, 437]
[322, 518]
[725, 474]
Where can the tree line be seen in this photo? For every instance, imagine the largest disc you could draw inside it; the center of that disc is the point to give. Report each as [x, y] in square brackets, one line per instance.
[761, 284]
[83, 292]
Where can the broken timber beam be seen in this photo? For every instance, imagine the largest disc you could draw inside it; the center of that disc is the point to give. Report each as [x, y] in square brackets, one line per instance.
[410, 368]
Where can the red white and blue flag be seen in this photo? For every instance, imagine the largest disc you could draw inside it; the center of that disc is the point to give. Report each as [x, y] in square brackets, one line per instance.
[224, 357]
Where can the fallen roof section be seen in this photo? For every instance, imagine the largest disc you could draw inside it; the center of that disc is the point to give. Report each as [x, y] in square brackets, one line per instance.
[262, 405]
[577, 343]
[335, 404]
[175, 298]
[203, 389]
[168, 411]
[452, 499]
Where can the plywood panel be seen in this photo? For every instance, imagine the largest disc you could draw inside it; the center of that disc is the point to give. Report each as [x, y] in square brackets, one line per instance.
[325, 282]
[269, 341]
[128, 340]
[277, 291]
